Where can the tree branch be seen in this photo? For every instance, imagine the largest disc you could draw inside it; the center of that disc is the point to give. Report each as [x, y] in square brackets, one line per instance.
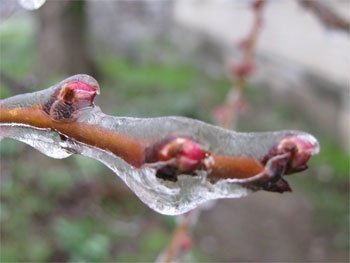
[227, 114]
[328, 17]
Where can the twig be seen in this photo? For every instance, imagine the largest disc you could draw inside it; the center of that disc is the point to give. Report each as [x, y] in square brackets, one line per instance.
[181, 240]
[328, 17]
[227, 114]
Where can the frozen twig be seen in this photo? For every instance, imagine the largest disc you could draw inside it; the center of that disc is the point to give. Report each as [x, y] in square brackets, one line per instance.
[173, 164]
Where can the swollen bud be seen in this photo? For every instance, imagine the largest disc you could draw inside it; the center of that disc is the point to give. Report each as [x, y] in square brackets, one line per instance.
[295, 152]
[301, 148]
[66, 103]
[243, 69]
[176, 155]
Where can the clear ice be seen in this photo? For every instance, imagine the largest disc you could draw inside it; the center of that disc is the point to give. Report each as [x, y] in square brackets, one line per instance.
[165, 197]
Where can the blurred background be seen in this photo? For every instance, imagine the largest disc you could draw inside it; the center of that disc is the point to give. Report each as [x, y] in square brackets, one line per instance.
[156, 58]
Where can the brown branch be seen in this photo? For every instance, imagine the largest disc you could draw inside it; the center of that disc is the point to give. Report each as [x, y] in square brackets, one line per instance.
[127, 148]
[133, 150]
[328, 17]
[225, 167]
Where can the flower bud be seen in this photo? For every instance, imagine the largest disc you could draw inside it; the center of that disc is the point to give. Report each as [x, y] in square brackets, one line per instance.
[176, 155]
[296, 150]
[72, 97]
[243, 69]
[186, 243]
[301, 148]
[78, 93]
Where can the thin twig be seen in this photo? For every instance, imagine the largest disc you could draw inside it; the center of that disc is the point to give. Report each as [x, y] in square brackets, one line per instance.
[180, 241]
[227, 114]
[328, 17]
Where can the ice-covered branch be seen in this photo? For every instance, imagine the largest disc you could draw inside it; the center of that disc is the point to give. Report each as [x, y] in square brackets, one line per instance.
[173, 164]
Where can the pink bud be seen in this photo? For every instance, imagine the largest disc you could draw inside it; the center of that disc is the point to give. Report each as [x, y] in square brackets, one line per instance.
[78, 93]
[175, 155]
[301, 148]
[244, 43]
[190, 156]
[294, 152]
[243, 69]
[73, 96]
[220, 113]
[186, 243]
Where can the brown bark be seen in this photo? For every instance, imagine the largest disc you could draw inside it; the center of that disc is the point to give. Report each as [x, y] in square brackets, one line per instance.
[126, 147]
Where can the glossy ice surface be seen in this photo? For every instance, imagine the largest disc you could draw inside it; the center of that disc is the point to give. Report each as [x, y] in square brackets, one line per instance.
[163, 196]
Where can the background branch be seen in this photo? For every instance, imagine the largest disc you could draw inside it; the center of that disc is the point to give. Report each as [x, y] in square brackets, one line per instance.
[227, 116]
[328, 17]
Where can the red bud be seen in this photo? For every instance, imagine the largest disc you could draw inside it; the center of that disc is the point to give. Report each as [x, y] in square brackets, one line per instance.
[73, 96]
[176, 155]
[301, 148]
[243, 69]
[78, 93]
[295, 152]
[186, 243]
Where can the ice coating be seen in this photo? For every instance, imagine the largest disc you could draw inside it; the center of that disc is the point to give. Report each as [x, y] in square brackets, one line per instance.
[213, 138]
[164, 197]
[38, 97]
[185, 192]
[48, 142]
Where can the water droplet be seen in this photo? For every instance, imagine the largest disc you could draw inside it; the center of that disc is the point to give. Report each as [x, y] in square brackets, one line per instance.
[31, 4]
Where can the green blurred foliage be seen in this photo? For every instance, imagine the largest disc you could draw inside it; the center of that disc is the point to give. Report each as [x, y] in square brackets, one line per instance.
[129, 88]
[17, 46]
[328, 187]
[82, 240]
